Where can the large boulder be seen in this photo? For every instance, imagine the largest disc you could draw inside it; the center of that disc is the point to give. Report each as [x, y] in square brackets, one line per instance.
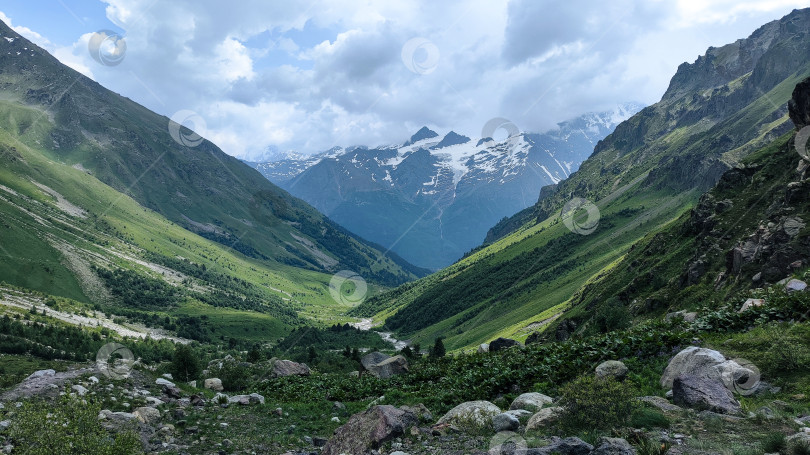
[283, 368]
[147, 415]
[214, 384]
[502, 343]
[373, 358]
[704, 394]
[369, 429]
[799, 104]
[710, 364]
[567, 446]
[530, 401]
[472, 414]
[613, 369]
[483, 348]
[543, 418]
[390, 367]
[613, 446]
[505, 422]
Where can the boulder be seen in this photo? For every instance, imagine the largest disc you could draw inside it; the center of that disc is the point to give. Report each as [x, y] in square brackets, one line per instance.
[704, 394]
[710, 364]
[368, 430]
[214, 384]
[795, 285]
[502, 343]
[799, 104]
[612, 368]
[420, 411]
[613, 446]
[393, 366]
[245, 400]
[80, 390]
[41, 374]
[530, 401]
[567, 446]
[283, 368]
[373, 358]
[472, 414]
[751, 303]
[483, 348]
[543, 418]
[164, 382]
[521, 414]
[117, 421]
[505, 422]
[172, 391]
[147, 415]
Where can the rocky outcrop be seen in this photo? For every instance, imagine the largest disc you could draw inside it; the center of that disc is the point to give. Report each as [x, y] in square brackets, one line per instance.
[474, 415]
[704, 394]
[368, 430]
[799, 104]
[282, 368]
[373, 358]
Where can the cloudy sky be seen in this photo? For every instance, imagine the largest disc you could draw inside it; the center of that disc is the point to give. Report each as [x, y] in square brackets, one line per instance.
[310, 75]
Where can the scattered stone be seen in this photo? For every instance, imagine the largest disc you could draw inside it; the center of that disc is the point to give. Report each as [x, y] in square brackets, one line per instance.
[505, 422]
[197, 400]
[80, 390]
[612, 368]
[483, 348]
[567, 446]
[475, 414]
[368, 430]
[502, 343]
[4, 424]
[152, 401]
[93, 379]
[283, 368]
[751, 303]
[532, 401]
[704, 394]
[164, 382]
[709, 364]
[543, 418]
[795, 285]
[246, 400]
[172, 391]
[521, 414]
[147, 415]
[168, 376]
[613, 446]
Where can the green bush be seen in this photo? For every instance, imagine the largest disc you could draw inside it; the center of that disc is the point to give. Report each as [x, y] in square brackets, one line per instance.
[649, 419]
[67, 427]
[774, 443]
[798, 447]
[234, 377]
[612, 316]
[596, 404]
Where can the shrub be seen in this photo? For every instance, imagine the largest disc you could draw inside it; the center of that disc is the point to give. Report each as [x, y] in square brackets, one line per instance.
[798, 447]
[438, 348]
[234, 376]
[612, 316]
[68, 427]
[774, 443]
[185, 365]
[596, 404]
[649, 419]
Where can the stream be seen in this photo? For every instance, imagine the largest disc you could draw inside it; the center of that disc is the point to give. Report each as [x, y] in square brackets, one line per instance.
[365, 324]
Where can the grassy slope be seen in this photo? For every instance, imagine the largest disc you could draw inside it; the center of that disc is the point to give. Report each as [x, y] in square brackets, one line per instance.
[654, 166]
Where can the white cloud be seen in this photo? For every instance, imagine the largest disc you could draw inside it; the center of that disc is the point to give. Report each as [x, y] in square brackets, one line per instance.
[315, 74]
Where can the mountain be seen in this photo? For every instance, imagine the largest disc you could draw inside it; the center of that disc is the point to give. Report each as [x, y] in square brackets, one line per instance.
[131, 149]
[433, 198]
[650, 171]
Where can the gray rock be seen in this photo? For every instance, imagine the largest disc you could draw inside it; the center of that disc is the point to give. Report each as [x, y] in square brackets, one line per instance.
[613, 446]
[80, 390]
[751, 303]
[704, 394]
[505, 422]
[214, 384]
[282, 368]
[710, 364]
[612, 368]
[521, 414]
[4, 424]
[483, 347]
[502, 343]
[532, 401]
[472, 414]
[368, 430]
[567, 446]
[147, 415]
[164, 382]
[373, 358]
[388, 368]
[41, 374]
[420, 411]
[795, 285]
[543, 418]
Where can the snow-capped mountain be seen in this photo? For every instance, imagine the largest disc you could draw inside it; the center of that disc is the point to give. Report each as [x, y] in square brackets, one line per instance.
[434, 197]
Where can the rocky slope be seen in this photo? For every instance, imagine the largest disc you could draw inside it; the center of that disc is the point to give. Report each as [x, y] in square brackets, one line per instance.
[433, 198]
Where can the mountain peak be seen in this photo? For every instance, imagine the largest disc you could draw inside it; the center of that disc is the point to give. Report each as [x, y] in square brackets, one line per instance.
[452, 138]
[422, 134]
